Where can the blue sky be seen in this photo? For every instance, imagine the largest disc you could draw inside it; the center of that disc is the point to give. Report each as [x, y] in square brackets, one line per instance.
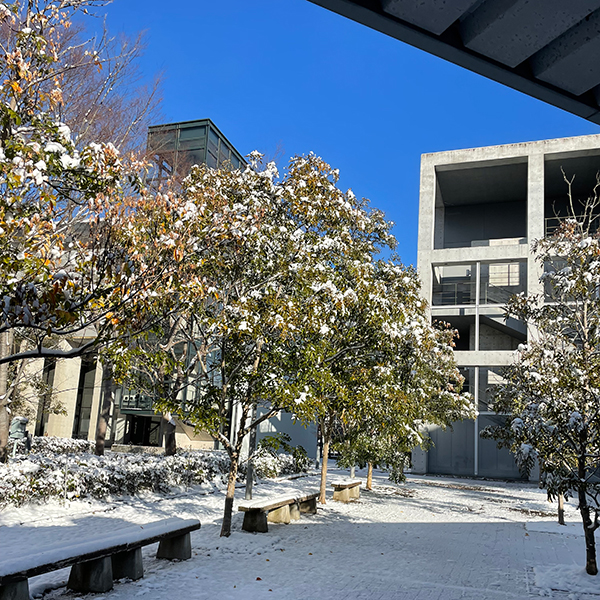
[288, 77]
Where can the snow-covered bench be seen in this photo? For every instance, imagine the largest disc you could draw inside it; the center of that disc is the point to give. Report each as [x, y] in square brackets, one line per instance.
[99, 560]
[346, 490]
[281, 509]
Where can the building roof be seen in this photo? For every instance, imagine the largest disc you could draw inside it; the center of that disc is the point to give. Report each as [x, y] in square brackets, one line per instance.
[548, 49]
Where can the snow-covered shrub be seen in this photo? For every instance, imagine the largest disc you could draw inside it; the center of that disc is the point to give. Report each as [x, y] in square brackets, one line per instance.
[268, 465]
[38, 477]
[276, 456]
[49, 446]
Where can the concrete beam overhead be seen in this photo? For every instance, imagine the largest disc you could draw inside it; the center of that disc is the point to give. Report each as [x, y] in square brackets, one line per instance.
[571, 61]
[433, 15]
[511, 31]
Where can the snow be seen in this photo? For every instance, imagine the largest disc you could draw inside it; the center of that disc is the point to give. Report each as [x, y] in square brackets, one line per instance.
[430, 538]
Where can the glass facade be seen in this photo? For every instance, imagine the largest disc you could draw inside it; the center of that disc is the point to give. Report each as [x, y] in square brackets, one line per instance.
[456, 285]
[175, 147]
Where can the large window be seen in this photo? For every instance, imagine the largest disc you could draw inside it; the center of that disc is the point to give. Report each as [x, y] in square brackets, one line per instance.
[456, 285]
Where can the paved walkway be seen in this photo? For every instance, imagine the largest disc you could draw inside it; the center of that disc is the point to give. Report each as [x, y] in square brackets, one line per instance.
[430, 539]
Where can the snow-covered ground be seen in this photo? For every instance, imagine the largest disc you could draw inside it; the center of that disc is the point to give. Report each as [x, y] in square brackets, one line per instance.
[429, 539]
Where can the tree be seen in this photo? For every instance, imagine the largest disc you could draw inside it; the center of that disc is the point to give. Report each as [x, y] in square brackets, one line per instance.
[552, 392]
[388, 426]
[252, 295]
[384, 370]
[66, 278]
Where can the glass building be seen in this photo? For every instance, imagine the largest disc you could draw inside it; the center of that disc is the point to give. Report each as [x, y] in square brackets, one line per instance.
[175, 147]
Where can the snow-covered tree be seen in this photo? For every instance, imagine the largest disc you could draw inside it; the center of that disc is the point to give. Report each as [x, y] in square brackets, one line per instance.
[552, 392]
[423, 387]
[66, 279]
[382, 369]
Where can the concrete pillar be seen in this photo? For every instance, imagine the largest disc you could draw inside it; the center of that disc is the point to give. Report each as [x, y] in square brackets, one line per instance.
[172, 548]
[427, 214]
[92, 576]
[96, 401]
[66, 383]
[128, 565]
[19, 590]
[535, 218]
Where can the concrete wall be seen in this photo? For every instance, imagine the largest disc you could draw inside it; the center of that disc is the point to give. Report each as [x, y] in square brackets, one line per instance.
[461, 451]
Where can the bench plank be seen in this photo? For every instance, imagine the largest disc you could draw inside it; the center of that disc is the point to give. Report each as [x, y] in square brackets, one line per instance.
[124, 540]
[277, 502]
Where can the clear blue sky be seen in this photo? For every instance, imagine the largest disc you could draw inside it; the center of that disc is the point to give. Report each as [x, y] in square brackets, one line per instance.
[288, 77]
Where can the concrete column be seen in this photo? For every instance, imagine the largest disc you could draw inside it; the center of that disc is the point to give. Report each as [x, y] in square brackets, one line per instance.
[96, 401]
[66, 383]
[427, 214]
[535, 217]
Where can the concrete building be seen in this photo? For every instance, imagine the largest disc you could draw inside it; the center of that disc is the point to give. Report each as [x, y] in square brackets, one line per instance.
[480, 211]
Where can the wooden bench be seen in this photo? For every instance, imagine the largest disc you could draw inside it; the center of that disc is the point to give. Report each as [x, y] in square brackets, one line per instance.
[96, 562]
[346, 490]
[281, 509]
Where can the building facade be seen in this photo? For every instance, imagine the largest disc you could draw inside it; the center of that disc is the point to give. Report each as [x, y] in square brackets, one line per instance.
[480, 211]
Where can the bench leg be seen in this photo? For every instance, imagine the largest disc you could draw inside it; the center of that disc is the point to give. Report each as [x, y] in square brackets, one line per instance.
[172, 548]
[18, 590]
[341, 495]
[309, 506]
[294, 511]
[92, 576]
[279, 515]
[355, 491]
[128, 565]
[255, 521]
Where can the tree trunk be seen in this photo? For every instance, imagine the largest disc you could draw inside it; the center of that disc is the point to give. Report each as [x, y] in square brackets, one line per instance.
[369, 485]
[169, 432]
[561, 509]
[228, 511]
[323, 489]
[5, 344]
[590, 541]
[591, 566]
[107, 402]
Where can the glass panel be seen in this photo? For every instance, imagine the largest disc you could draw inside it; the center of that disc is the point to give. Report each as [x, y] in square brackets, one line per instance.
[454, 285]
[211, 160]
[213, 142]
[489, 377]
[191, 144]
[134, 402]
[500, 281]
[163, 140]
[192, 133]
[223, 155]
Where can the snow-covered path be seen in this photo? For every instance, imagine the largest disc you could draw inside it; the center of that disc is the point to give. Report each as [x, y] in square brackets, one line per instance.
[429, 539]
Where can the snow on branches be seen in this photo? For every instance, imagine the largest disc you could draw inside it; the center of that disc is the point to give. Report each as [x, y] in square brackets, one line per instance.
[552, 391]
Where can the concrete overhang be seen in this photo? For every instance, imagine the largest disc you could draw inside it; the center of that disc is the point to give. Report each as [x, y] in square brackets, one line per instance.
[548, 49]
